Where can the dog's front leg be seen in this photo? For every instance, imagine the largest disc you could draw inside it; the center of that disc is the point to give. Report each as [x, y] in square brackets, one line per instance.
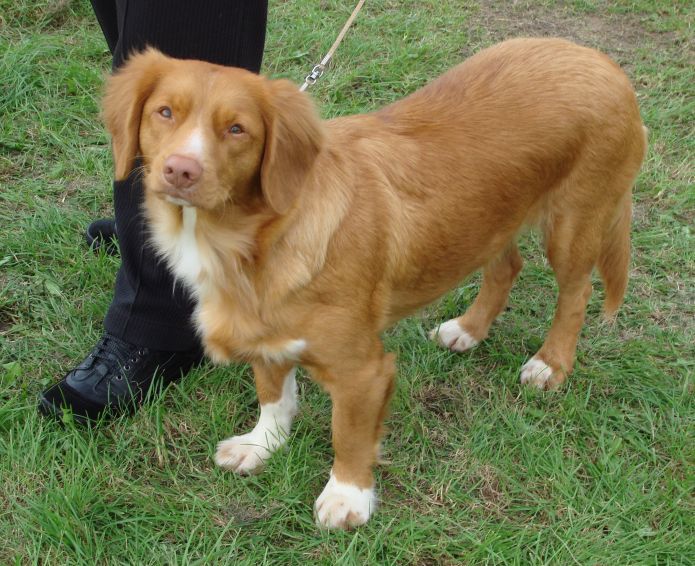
[360, 403]
[277, 396]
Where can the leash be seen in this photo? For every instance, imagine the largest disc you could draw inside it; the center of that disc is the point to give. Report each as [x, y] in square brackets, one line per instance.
[318, 70]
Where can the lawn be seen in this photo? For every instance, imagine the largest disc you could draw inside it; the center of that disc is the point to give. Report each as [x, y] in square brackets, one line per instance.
[479, 469]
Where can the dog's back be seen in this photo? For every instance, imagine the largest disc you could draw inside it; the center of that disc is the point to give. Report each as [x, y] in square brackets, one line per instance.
[537, 132]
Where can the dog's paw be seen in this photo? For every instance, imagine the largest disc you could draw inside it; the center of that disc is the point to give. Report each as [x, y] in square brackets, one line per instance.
[246, 454]
[539, 374]
[343, 505]
[243, 454]
[452, 336]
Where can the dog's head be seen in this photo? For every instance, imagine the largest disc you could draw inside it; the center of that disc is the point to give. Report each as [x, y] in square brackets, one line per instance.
[209, 135]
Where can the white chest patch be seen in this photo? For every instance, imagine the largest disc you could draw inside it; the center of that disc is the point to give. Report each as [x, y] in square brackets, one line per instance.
[186, 260]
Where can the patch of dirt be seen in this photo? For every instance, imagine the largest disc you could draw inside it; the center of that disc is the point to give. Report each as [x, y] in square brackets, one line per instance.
[71, 188]
[489, 485]
[7, 318]
[239, 514]
[619, 35]
[439, 400]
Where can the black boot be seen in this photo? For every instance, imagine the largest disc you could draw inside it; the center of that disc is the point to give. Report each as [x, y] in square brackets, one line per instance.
[114, 378]
[102, 234]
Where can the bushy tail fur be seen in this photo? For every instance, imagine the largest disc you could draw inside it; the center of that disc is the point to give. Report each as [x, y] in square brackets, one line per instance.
[614, 259]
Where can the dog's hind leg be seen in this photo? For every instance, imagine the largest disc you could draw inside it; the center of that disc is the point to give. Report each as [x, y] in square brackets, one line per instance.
[277, 396]
[462, 333]
[573, 243]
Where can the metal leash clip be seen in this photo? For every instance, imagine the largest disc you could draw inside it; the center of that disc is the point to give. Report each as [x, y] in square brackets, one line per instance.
[318, 70]
[315, 74]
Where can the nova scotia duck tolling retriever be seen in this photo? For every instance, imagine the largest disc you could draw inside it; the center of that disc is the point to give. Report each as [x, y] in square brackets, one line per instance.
[302, 240]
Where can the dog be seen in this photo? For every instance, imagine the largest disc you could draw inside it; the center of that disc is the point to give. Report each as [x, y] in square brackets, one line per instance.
[302, 240]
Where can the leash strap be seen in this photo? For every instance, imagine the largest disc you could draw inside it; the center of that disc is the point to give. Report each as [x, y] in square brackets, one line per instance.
[318, 70]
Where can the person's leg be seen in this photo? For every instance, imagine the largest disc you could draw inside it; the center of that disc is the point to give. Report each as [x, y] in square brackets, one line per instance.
[226, 32]
[148, 326]
[107, 16]
[149, 309]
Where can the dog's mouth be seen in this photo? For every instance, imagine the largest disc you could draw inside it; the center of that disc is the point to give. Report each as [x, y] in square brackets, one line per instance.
[177, 195]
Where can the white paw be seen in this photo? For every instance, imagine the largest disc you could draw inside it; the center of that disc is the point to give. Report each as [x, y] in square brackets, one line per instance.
[344, 505]
[536, 372]
[242, 454]
[452, 336]
[246, 454]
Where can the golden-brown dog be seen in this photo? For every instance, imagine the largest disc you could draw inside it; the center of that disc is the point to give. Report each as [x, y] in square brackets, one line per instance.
[302, 240]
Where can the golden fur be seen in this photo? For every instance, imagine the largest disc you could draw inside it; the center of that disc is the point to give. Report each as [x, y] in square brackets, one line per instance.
[328, 232]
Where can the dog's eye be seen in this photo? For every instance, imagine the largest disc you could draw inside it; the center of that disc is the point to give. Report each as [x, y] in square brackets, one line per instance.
[165, 112]
[236, 129]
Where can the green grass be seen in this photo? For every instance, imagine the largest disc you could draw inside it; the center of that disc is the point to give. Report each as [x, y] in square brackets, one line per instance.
[480, 469]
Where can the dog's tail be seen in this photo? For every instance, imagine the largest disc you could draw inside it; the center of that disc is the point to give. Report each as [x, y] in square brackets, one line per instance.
[614, 258]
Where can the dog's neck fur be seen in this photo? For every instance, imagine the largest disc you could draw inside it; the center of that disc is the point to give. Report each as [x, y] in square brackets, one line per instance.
[254, 261]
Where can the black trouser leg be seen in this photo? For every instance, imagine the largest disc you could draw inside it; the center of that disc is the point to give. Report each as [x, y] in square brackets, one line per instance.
[148, 308]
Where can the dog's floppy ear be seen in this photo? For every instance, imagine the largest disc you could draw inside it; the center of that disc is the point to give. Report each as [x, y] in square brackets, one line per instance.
[294, 136]
[126, 93]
